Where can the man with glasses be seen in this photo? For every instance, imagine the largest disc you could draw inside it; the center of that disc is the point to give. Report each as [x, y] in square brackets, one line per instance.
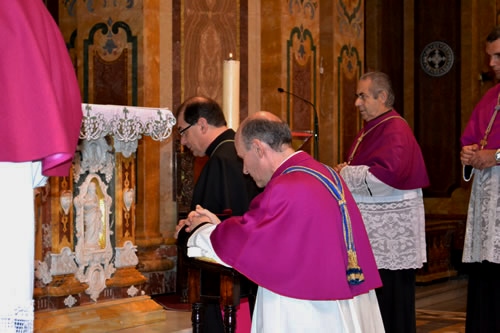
[385, 172]
[302, 240]
[221, 187]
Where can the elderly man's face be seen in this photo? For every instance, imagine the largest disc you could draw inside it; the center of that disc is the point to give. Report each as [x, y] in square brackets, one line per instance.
[253, 162]
[369, 107]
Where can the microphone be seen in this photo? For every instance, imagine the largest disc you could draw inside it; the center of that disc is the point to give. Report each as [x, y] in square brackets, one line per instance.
[315, 116]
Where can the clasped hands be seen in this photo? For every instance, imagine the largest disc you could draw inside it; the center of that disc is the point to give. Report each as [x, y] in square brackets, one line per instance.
[477, 158]
[195, 218]
[339, 167]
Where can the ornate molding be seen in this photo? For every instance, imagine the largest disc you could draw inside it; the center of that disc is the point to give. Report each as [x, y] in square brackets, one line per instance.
[125, 256]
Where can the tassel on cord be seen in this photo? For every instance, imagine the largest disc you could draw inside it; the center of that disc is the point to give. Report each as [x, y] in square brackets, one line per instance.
[354, 272]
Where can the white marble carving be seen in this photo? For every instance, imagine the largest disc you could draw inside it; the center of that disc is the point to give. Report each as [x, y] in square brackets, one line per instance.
[63, 263]
[128, 198]
[70, 301]
[65, 199]
[93, 250]
[42, 272]
[127, 148]
[96, 157]
[132, 291]
[125, 256]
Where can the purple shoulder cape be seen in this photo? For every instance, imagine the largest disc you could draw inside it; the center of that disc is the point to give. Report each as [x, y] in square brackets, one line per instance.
[291, 242]
[479, 120]
[391, 151]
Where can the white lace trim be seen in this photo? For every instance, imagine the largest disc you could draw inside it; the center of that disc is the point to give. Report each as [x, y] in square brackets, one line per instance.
[394, 219]
[482, 232]
[17, 318]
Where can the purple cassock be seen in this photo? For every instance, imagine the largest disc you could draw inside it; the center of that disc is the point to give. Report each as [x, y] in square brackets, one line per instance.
[40, 100]
[479, 120]
[390, 149]
[291, 241]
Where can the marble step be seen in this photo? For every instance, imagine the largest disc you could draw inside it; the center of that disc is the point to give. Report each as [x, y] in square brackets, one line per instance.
[107, 316]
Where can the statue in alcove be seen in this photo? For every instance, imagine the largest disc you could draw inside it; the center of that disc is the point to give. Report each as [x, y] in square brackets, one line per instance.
[93, 249]
[92, 217]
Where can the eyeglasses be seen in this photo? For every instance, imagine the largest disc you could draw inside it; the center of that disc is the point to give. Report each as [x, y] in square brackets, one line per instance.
[181, 132]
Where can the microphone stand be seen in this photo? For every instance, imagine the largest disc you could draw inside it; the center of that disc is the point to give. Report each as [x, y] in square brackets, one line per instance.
[315, 121]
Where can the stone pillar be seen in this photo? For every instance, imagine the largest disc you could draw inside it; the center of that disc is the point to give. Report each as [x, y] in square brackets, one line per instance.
[148, 203]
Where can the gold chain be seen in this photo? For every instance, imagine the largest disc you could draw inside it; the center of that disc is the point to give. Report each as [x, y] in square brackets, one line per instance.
[364, 134]
[484, 140]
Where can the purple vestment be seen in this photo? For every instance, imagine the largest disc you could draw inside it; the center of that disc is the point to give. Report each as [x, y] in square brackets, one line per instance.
[479, 120]
[291, 242]
[391, 151]
[40, 99]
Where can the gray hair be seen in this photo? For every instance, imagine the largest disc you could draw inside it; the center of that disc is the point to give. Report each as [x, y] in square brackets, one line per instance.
[275, 133]
[380, 82]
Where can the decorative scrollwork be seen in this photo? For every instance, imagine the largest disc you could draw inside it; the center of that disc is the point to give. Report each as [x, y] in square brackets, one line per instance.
[126, 124]
[126, 129]
[94, 126]
[160, 128]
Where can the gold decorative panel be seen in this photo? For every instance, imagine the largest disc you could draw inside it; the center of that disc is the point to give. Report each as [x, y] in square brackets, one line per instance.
[125, 199]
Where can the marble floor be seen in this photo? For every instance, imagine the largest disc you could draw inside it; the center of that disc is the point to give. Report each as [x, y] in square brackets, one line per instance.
[441, 306]
[440, 309]
[175, 322]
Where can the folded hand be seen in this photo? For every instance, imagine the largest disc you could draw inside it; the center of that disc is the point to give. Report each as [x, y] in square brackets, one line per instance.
[195, 218]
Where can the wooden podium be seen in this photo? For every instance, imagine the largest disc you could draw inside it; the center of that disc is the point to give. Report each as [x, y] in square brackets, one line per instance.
[229, 296]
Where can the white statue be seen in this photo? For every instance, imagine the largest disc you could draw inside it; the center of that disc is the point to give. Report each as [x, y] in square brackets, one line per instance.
[92, 217]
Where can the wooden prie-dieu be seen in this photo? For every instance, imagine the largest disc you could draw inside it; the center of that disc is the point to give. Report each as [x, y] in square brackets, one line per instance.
[229, 294]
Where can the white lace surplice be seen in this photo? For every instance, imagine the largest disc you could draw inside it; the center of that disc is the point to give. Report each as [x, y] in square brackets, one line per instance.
[482, 233]
[394, 219]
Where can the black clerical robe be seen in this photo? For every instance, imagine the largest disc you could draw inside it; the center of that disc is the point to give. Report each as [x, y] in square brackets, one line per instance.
[222, 187]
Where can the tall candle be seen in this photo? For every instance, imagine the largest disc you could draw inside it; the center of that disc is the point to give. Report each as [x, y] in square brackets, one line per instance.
[231, 92]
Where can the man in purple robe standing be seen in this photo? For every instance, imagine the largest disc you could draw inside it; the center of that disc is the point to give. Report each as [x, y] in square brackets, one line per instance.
[302, 240]
[480, 156]
[39, 129]
[385, 172]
